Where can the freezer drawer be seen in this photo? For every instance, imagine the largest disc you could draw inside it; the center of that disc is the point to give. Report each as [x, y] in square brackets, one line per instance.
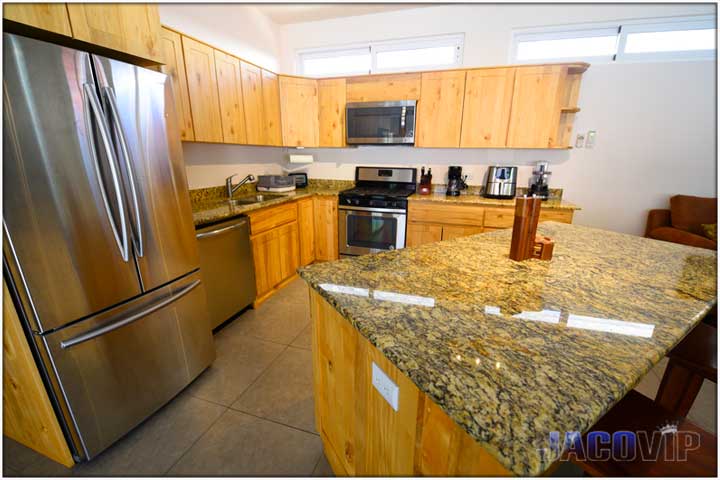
[117, 368]
[227, 268]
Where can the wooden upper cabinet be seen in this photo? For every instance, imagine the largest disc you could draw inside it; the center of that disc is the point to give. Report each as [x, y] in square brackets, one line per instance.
[175, 68]
[230, 94]
[535, 112]
[299, 111]
[271, 109]
[439, 112]
[486, 110]
[384, 88]
[253, 103]
[52, 17]
[132, 28]
[331, 100]
[203, 91]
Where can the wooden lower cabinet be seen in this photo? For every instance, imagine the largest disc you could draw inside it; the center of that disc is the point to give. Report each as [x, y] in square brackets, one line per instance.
[432, 222]
[306, 230]
[454, 231]
[28, 415]
[326, 228]
[362, 434]
[287, 242]
[419, 233]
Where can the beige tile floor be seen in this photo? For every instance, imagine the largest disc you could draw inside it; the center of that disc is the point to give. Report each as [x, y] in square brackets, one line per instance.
[251, 412]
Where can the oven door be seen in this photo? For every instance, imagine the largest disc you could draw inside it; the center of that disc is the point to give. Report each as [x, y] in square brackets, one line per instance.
[372, 123]
[369, 231]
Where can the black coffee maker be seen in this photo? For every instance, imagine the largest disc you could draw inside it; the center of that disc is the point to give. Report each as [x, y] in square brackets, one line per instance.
[456, 181]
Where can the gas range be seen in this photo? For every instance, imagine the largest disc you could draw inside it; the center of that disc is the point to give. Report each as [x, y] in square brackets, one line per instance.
[373, 214]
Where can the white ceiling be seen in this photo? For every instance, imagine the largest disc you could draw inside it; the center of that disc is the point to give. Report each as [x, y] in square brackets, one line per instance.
[284, 14]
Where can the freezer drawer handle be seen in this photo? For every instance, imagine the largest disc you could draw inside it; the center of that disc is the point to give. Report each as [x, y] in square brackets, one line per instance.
[212, 233]
[112, 103]
[90, 99]
[96, 332]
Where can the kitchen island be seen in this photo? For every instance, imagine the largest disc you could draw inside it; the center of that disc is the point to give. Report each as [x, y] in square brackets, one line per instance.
[491, 355]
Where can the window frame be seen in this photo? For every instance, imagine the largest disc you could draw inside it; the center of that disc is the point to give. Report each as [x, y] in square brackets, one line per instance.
[622, 28]
[317, 53]
[678, 24]
[456, 40]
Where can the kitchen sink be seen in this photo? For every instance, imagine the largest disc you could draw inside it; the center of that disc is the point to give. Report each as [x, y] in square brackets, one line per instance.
[252, 199]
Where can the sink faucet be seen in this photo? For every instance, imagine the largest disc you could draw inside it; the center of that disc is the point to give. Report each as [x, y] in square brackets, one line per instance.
[232, 188]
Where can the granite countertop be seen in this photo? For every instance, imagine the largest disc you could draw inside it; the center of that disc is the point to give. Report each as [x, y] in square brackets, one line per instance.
[209, 206]
[514, 350]
[476, 199]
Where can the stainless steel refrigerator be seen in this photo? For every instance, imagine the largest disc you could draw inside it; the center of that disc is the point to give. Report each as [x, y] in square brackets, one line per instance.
[99, 244]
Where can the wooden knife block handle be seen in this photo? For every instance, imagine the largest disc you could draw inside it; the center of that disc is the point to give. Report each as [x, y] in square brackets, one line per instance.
[525, 241]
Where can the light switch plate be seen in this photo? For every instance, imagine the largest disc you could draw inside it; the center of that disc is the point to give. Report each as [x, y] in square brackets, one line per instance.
[579, 140]
[386, 387]
[590, 140]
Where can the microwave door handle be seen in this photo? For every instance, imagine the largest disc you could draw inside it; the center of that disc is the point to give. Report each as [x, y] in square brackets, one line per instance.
[102, 330]
[403, 123]
[109, 94]
[91, 105]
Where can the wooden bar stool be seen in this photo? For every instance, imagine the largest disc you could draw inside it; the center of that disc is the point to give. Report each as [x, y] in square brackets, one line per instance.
[691, 361]
[635, 412]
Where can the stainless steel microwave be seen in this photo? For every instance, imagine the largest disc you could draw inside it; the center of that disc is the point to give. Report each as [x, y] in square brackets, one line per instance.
[381, 123]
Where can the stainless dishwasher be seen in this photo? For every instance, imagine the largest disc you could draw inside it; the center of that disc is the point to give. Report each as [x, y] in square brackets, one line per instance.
[226, 267]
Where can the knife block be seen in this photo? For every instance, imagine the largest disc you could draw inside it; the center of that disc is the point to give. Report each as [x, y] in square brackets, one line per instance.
[525, 242]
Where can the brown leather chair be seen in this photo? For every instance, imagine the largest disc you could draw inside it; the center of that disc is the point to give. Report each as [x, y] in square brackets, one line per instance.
[682, 222]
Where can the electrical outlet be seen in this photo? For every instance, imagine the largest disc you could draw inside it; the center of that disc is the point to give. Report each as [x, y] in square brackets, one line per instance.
[386, 387]
[579, 140]
[590, 140]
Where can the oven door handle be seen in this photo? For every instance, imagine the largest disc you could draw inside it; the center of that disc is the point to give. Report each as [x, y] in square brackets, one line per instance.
[373, 210]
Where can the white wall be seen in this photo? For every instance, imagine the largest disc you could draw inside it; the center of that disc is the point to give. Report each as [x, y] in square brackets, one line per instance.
[239, 29]
[655, 121]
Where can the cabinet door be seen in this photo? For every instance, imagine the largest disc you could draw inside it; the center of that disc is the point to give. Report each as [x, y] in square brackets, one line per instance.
[419, 233]
[203, 92]
[331, 100]
[266, 260]
[230, 95]
[52, 17]
[453, 231]
[381, 88]
[486, 110]
[132, 28]
[439, 116]
[535, 113]
[288, 246]
[306, 228]
[272, 133]
[175, 68]
[253, 103]
[326, 228]
[299, 111]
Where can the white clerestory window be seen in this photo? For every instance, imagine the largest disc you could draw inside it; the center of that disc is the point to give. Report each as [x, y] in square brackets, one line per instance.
[422, 53]
[648, 40]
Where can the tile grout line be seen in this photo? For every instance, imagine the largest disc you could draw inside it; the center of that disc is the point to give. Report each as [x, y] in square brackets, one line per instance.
[273, 421]
[202, 434]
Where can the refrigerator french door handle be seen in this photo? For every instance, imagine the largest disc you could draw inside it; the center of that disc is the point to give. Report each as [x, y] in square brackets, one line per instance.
[90, 100]
[96, 332]
[115, 116]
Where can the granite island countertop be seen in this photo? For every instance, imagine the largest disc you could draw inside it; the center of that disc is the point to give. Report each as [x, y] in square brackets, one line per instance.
[514, 350]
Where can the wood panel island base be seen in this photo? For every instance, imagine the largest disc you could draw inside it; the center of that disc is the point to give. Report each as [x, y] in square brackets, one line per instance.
[452, 359]
[362, 434]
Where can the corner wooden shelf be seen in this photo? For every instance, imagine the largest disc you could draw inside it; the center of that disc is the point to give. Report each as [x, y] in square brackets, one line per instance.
[570, 109]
